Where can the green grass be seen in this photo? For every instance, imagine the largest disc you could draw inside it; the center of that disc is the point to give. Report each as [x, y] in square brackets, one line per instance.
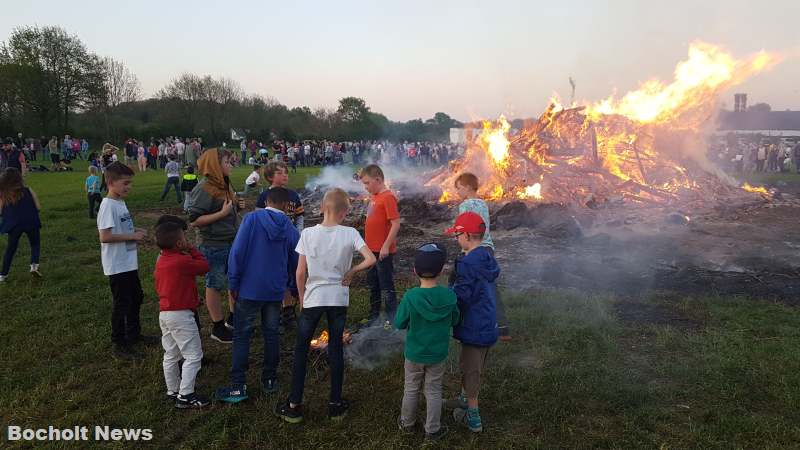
[575, 375]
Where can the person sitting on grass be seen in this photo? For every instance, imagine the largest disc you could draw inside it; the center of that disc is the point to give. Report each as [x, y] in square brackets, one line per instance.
[173, 170]
[261, 264]
[118, 254]
[323, 278]
[176, 269]
[253, 180]
[19, 208]
[474, 285]
[429, 312]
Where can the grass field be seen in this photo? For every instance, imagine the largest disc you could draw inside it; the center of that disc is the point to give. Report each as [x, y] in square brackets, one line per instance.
[583, 371]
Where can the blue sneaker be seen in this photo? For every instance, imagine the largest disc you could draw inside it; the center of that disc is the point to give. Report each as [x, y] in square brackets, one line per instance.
[232, 394]
[470, 417]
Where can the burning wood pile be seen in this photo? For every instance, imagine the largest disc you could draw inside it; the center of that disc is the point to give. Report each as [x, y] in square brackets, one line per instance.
[645, 148]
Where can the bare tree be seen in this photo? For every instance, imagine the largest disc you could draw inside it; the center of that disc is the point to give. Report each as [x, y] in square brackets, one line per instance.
[121, 85]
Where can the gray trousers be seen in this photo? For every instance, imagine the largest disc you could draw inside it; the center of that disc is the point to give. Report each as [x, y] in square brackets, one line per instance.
[415, 375]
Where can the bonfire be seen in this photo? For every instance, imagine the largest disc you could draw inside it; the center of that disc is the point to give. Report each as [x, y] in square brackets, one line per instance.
[647, 147]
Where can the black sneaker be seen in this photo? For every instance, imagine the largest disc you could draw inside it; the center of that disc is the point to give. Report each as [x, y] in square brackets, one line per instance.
[191, 401]
[172, 395]
[338, 411]
[270, 386]
[229, 322]
[437, 435]
[124, 352]
[289, 414]
[221, 334]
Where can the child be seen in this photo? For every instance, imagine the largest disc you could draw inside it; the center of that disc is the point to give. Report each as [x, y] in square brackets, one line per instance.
[176, 268]
[277, 175]
[188, 182]
[173, 170]
[380, 232]
[20, 208]
[257, 273]
[323, 276]
[466, 185]
[474, 285]
[118, 240]
[429, 312]
[214, 212]
[92, 188]
[253, 180]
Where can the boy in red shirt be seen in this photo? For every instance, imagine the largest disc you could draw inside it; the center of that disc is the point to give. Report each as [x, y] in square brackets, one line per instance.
[176, 269]
[380, 234]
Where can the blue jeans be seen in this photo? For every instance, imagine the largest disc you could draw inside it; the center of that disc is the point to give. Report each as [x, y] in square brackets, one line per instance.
[244, 313]
[306, 325]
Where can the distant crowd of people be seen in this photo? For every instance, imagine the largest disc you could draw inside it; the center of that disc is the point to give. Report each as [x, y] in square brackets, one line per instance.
[765, 155]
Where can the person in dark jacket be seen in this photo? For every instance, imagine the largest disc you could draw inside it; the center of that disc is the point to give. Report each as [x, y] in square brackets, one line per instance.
[261, 264]
[19, 208]
[474, 285]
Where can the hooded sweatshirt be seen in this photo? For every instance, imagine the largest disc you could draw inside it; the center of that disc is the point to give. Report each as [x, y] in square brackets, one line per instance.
[262, 262]
[475, 288]
[207, 197]
[429, 314]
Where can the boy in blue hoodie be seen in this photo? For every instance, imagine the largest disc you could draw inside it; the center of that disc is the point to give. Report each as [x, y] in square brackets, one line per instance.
[261, 264]
[474, 285]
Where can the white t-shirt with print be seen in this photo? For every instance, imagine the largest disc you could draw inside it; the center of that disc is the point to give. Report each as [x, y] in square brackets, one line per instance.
[117, 257]
[252, 178]
[329, 255]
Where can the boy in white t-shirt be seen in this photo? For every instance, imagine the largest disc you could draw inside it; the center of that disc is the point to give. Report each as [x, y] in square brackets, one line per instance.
[253, 180]
[323, 278]
[118, 240]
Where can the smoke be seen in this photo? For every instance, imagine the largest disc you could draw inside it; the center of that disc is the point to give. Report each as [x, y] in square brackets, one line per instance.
[374, 346]
[405, 181]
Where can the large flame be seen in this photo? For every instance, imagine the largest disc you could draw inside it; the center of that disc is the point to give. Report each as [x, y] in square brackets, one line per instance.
[638, 144]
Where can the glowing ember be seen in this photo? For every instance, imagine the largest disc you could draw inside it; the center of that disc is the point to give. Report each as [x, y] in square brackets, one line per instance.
[321, 341]
[647, 145]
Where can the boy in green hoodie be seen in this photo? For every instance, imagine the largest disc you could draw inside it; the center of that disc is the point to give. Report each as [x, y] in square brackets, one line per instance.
[428, 312]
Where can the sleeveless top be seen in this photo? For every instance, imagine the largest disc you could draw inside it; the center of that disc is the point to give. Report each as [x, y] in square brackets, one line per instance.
[22, 215]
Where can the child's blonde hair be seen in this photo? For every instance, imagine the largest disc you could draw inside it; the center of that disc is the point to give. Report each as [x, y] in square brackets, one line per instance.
[93, 170]
[337, 200]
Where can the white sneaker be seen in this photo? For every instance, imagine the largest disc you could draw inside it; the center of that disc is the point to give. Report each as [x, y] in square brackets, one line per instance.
[35, 270]
[3, 278]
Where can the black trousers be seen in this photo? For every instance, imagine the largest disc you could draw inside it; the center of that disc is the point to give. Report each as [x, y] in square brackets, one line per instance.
[13, 243]
[380, 279]
[94, 203]
[126, 290]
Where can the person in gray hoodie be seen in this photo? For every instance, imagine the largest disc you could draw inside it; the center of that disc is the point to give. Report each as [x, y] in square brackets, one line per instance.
[213, 209]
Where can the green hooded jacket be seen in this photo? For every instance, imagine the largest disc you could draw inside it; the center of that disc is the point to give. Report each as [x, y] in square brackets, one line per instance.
[429, 315]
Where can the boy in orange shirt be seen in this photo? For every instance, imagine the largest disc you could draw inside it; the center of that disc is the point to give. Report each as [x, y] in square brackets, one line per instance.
[380, 233]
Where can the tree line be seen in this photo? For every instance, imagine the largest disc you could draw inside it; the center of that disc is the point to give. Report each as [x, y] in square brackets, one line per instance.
[52, 84]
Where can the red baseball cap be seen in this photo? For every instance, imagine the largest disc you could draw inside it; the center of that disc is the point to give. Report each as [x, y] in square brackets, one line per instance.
[468, 222]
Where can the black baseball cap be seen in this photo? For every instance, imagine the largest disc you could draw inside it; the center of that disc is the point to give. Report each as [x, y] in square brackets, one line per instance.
[429, 260]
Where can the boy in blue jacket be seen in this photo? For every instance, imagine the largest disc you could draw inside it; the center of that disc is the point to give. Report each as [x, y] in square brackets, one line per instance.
[261, 264]
[474, 285]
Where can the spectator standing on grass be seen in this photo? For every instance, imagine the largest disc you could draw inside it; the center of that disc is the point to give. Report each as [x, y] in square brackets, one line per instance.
[141, 156]
[474, 285]
[188, 182]
[52, 149]
[796, 157]
[92, 188]
[429, 312]
[213, 209]
[66, 148]
[12, 157]
[118, 253]
[323, 278]
[173, 171]
[84, 148]
[176, 269]
[19, 208]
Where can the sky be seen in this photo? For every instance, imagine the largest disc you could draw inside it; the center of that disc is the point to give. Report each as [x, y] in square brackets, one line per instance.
[410, 59]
